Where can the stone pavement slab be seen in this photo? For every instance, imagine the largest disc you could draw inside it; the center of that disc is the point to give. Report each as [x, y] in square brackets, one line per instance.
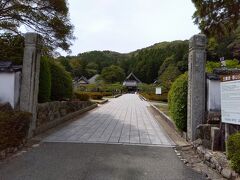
[124, 120]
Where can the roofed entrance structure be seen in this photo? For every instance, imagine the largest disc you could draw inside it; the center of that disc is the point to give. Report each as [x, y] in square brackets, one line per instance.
[131, 83]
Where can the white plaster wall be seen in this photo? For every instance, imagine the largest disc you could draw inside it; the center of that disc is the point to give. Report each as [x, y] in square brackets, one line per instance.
[214, 95]
[7, 82]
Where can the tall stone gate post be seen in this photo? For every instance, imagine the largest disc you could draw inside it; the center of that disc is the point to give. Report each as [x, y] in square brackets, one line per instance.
[196, 84]
[30, 77]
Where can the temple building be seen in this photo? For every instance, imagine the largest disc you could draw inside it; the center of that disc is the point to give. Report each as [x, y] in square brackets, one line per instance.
[131, 83]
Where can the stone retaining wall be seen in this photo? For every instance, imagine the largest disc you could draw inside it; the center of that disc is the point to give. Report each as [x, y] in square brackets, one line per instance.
[53, 113]
[215, 160]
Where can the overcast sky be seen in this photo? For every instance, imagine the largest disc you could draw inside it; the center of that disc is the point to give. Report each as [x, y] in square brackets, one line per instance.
[127, 25]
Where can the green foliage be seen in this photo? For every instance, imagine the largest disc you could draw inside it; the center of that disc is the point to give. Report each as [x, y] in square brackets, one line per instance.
[210, 66]
[102, 59]
[113, 74]
[217, 18]
[233, 151]
[103, 88]
[144, 63]
[14, 128]
[49, 18]
[232, 63]
[92, 88]
[107, 93]
[61, 82]
[153, 97]
[151, 62]
[86, 95]
[44, 93]
[96, 95]
[11, 48]
[146, 88]
[168, 77]
[116, 87]
[224, 33]
[82, 96]
[66, 64]
[218, 48]
[177, 100]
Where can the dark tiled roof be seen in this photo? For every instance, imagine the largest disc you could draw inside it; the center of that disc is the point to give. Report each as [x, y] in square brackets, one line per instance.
[7, 66]
[93, 79]
[223, 71]
[83, 79]
[131, 76]
[212, 76]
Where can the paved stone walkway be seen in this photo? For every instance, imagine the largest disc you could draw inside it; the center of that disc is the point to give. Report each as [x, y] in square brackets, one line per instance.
[124, 120]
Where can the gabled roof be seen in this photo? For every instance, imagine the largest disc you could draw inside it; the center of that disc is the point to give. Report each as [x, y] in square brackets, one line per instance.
[83, 79]
[131, 77]
[93, 79]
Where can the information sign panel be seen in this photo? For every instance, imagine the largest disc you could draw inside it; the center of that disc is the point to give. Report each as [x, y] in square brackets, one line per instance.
[230, 101]
[158, 90]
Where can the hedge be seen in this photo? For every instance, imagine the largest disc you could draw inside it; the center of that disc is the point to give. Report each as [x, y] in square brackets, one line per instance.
[92, 95]
[81, 96]
[61, 82]
[177, 100]
[44, 93]
[14, 128]
[107, 93]
[154, 97]
[96, 95]
[233, 151]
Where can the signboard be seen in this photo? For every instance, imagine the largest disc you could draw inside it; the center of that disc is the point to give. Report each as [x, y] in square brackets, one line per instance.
[223, 62]
[230, 100]
[158, 90]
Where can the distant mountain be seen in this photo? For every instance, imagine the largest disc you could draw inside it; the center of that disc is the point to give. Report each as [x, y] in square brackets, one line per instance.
[162, 61]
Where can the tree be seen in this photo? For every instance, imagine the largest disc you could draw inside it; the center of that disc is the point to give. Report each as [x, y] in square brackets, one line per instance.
[227, 47]
[66, 64]
[44, 93]
[216, 18]
[113, 74]
[61, 82]
[11, 48]
[48, 18]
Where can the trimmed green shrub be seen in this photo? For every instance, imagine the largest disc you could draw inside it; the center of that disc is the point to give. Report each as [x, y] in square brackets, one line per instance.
[210, 66]
[107, 94]
[82, 96]
[14, 128]
[44, 93]
[61, 81]
[233, 151]
[96, 95]
[177, 100]
[154, 97]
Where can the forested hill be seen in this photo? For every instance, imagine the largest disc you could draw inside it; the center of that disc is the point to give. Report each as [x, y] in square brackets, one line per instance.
[163, 61]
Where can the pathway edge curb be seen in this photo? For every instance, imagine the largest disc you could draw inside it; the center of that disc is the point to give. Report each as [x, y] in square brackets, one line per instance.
[59, 121]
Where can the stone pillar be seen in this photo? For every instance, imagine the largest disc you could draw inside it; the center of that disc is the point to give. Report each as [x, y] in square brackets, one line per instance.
[196, 84]
[30, 77]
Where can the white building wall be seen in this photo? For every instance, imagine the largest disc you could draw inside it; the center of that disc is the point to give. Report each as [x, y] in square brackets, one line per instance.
[214, 95]
[10, 88]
